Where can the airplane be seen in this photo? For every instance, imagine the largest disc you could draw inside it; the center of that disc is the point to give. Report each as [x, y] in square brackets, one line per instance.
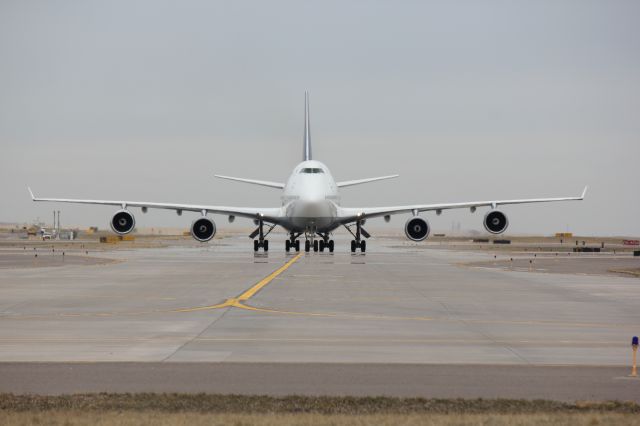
[310, 207]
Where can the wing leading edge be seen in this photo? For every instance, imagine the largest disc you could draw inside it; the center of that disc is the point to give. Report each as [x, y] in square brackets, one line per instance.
[253, 181]
[351, 214]
[267, 214]
[360, 181]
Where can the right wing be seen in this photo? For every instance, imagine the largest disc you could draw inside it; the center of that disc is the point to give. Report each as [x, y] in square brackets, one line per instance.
[359, 181]
[272, 215]
[348, 215]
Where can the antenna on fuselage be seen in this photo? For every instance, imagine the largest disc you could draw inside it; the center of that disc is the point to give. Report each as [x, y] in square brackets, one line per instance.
[306, 153]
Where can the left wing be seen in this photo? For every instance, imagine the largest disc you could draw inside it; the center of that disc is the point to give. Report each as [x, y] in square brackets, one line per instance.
[267, 214]
[253, 181]
[348, 215]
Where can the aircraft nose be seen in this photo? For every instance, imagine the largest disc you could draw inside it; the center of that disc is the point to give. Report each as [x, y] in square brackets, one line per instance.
[315, 208]
[313, 197]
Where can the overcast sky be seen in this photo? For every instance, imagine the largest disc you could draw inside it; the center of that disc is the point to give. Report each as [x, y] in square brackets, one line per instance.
[466, 100]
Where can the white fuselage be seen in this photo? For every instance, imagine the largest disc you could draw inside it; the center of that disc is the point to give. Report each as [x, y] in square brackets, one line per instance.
[310, 199]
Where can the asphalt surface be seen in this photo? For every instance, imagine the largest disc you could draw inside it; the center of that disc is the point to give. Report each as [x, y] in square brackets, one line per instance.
[396, 321]
[45, 258]
[587, 264]
[278, 379]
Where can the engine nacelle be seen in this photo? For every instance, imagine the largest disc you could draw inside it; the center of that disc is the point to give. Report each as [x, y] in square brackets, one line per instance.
[416, 228]
[203, 229]
[495, 222]
[123, 222]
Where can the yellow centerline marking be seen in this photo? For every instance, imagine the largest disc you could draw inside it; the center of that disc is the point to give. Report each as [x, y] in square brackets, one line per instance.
[256, 288]
[248, 294]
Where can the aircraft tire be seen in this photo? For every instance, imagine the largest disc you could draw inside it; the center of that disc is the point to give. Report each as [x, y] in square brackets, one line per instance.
[265, 245]
[331, 246]
[256, 245]
[363, 246]
[297, 245]
[307, 246]
[315, 245]
[353, 246]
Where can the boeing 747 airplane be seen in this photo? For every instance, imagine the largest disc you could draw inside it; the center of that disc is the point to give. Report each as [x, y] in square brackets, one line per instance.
[310, 208]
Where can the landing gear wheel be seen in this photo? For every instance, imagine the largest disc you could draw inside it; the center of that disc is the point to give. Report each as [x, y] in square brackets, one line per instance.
[307, 246]
[330, 246]
[297, 245]
[315, 245]
[265, 245]
[256, 245]
[363, 246]
[321, 245]
[287, 246]
[353, 246]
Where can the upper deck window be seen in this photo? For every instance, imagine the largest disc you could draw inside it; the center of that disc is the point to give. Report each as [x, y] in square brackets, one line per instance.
[311, 170]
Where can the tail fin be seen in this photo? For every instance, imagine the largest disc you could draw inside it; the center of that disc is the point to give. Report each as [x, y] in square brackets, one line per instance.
[306, 154]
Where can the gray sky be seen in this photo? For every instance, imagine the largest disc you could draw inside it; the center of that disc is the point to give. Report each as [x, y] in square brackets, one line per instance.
[466, 100]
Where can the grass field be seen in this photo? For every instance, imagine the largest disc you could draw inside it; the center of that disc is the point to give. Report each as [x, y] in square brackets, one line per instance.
[71, 417]
[201, 409]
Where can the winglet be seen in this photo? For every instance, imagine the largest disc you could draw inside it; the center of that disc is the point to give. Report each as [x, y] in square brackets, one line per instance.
[33, 197]
[584, 192]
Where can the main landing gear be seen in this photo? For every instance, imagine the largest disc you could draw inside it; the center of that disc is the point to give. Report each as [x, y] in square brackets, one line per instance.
[355, 245]
[319, 245]
[326, 244]
[358, 242]
[261, 242]
[292, 243]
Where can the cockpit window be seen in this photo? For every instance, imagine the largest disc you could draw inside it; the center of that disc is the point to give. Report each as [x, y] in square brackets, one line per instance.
[311, 170]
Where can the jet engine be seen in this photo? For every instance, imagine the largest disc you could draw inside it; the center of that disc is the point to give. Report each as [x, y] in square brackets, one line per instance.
[203, 229]
[495, 222]
[123, 222]
[416, 229]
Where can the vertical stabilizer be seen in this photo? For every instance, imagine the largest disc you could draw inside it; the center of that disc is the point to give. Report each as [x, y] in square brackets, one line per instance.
[306, 154]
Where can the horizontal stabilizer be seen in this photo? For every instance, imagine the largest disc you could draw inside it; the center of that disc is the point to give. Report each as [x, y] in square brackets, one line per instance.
[254, 181]
[359, 181]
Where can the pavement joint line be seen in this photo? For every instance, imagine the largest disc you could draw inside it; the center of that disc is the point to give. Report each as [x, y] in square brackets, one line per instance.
[592, 343]
[240, 305]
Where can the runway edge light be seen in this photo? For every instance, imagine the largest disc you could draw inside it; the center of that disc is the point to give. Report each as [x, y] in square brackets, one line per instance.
[634, 346]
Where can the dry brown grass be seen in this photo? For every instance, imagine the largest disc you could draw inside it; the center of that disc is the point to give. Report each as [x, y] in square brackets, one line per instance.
[258, 404]
[111, 418]
[210, 409]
